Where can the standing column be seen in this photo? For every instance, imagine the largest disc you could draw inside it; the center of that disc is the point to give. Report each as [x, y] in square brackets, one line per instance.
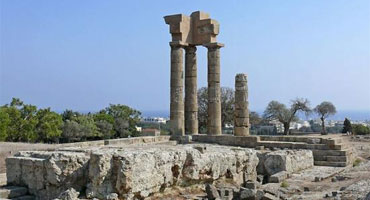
[191, 101]
[241, 112]
[177, 89]
[214, 126]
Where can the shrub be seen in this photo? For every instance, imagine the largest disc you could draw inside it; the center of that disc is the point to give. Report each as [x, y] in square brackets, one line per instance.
[357, 162]
[359, 129]
[284, 184]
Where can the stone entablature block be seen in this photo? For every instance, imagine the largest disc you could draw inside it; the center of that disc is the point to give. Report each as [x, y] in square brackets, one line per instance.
[198, 29]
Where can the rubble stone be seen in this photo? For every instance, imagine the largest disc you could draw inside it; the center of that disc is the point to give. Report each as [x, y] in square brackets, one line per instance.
[212, 192]
[70, 194]
[284, 160]
[247, 194]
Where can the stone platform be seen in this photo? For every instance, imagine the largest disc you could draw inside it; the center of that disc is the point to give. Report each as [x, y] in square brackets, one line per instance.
[327, 151]
[135, 168]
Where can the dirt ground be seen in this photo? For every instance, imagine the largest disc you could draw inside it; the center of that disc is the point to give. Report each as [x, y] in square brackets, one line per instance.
[10, 148]
[352, 182]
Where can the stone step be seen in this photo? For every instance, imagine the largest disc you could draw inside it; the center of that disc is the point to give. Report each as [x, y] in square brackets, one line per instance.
[309, 140]
[293, 145]
[26, 197]
[332, 141]
[331, 158]
[343, 152]
[12, 192]
[300, 139]
[330, 164]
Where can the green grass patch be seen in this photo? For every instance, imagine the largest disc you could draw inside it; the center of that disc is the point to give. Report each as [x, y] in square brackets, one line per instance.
[284, 184]
[357, 162]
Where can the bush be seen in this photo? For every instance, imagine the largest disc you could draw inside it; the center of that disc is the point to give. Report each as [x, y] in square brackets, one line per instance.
[359, 129]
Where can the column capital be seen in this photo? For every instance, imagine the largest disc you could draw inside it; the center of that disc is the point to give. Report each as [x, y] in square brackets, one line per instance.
[241, 77]
[214, 45]
[191, 49]
[178, 44]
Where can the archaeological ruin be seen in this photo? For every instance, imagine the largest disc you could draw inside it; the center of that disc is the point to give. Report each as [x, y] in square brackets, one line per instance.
[185, 165]
[187, 33]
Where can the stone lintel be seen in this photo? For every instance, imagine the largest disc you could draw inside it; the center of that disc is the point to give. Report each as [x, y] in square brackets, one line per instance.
[177, 18]
[178, 43]
[214, 45]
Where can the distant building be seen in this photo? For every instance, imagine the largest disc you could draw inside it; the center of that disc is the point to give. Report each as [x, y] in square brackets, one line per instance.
[138, 128]
[306, 124]
[150, 132]
[279, 126]
[157, 120]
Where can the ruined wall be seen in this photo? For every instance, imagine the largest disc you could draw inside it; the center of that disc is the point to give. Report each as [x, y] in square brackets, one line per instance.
[130, 172]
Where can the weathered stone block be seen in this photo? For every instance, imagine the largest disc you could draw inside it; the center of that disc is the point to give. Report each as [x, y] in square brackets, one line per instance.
[284, 160]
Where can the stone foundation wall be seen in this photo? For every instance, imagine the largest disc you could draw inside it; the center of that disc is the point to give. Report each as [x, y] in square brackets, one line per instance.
[132, 172]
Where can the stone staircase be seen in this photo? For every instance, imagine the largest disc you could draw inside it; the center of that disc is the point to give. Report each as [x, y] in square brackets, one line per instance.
[326, 151]
[15, 193]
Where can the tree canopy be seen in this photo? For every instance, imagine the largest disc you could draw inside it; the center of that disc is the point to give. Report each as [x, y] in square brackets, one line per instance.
[347, 126]
[324, 110]
[21, 122]
[280, 112]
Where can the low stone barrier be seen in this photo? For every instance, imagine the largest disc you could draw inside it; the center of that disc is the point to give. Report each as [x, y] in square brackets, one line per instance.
[230, 140]
[137, 140]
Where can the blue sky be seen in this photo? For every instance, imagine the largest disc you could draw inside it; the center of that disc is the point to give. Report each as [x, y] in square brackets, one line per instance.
[85, 54]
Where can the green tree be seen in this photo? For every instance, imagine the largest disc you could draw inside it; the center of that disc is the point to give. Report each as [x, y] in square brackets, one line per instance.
[14, 115]
[22, 121]
[125, 119]
[202, 109]
[105, 129]
[28, 124]
[227, 106]
[70, 115]
[254, 118]
[278, 111]
[49, 125]
[4, 123]
[324, 110]
[104, 123]
[71, 131]
[88, 128]
[347, 126]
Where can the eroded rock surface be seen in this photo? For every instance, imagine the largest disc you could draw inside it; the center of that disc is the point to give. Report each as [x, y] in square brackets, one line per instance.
[284, 160]
[48, 174]
[132, 172]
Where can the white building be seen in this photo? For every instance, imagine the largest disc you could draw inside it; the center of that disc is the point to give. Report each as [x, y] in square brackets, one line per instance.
[157, 120]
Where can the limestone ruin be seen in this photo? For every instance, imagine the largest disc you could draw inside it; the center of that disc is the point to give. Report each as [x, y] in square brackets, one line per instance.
[212, 165]
[241, 118]
[188, 32]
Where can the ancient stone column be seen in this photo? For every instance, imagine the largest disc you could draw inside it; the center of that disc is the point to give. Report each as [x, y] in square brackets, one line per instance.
[191, 101]
[177, 89]
[214, 126]
[241, 112]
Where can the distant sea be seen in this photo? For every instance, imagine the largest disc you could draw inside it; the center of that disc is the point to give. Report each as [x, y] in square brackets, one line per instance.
[352, 115]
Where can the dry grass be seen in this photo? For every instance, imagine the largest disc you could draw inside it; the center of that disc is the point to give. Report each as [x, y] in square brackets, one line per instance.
[10, 148]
